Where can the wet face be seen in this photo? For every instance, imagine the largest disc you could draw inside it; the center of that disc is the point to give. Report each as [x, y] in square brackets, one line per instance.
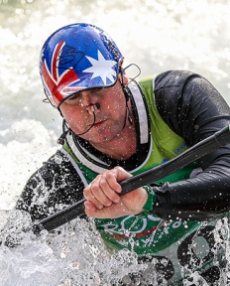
[109, 118]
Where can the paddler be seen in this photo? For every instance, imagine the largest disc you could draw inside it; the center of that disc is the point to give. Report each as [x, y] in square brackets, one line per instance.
[115, 127]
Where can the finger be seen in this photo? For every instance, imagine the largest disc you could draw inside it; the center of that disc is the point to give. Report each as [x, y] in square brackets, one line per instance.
[111, 178]
[97, 191]
[110, 187]
[114, 211]
[121, 174]
[102, 191]
[89, 196]
[89, 208]
[92, 211]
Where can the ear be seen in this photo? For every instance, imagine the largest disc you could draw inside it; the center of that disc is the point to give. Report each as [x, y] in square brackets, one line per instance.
[125, 79]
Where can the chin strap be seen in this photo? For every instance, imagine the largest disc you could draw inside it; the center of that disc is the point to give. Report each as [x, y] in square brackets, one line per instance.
[128, 95]
[62, 138]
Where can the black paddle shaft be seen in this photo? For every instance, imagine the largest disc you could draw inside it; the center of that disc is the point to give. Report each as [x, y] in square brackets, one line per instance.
[217, 140]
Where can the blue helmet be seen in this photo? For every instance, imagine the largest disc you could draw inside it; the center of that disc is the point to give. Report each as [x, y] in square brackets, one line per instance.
[75, 58]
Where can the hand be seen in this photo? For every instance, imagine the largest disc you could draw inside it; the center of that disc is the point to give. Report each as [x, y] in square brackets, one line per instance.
[103, 200]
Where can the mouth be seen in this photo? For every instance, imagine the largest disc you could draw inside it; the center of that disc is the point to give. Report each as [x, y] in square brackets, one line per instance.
[97, 124]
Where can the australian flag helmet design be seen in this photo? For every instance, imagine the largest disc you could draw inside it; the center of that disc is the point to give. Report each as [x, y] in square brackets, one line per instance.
[75, 58]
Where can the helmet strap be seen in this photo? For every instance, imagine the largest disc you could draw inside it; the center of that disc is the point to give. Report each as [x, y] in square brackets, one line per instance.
[128, 95]
[66, 129]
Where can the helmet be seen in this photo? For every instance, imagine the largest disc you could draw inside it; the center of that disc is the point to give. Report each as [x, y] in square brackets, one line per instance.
[75, 58]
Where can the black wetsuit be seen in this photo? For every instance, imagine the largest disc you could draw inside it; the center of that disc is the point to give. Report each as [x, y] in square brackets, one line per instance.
[193, 109]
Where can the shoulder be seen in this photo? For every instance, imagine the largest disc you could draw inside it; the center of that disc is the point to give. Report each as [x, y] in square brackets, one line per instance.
[177, 88]
[58, 167]
[57, 172]
[56, 183]
[176, 78]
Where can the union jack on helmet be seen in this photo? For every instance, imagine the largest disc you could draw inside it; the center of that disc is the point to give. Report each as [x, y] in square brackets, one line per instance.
[75, 58]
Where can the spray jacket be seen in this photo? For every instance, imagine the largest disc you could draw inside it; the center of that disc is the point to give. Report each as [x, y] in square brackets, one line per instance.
[173, 111]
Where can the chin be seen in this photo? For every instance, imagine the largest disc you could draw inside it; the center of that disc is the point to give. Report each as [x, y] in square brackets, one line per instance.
[100, 139]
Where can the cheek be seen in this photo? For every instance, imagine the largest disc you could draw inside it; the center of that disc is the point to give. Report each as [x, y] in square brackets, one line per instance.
[114, 103]
[73, 117]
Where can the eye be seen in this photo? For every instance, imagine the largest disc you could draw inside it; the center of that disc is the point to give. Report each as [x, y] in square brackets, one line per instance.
[98, 90]
[73, 99]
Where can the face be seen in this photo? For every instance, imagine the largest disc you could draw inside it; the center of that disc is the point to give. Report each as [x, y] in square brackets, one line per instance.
[109, 118]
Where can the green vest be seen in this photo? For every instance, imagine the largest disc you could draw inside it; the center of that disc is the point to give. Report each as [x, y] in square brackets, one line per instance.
[146, 233]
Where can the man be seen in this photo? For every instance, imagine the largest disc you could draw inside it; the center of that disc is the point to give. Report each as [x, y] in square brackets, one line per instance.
[114, 128]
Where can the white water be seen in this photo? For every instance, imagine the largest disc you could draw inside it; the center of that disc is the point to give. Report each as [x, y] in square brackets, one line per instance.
[155, 34]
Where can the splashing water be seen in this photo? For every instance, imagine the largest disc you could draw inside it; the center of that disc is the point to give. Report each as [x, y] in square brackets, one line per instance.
[75, 255]
[69, 256]
[155, 34]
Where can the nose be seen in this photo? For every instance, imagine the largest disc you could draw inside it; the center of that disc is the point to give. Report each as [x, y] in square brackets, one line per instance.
[93, 108]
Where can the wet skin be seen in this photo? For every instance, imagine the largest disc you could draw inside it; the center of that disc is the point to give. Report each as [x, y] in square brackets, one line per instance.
[109, 121]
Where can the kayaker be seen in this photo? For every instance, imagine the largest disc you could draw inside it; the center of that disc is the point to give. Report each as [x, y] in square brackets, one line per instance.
[115, 127]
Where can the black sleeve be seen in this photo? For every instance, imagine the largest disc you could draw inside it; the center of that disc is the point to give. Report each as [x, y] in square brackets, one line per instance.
[194, 109]
[53, 187]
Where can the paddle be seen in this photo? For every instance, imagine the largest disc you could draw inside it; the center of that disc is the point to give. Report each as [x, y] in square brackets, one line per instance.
[217, 140]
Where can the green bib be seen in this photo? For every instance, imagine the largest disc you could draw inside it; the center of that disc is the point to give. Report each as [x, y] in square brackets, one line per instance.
[146, 233]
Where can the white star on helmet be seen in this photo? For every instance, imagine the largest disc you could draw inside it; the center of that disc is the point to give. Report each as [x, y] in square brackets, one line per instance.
[101, 68]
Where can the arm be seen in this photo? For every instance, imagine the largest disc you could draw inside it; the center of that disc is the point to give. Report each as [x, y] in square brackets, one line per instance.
[195, 114]
[54, 186]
